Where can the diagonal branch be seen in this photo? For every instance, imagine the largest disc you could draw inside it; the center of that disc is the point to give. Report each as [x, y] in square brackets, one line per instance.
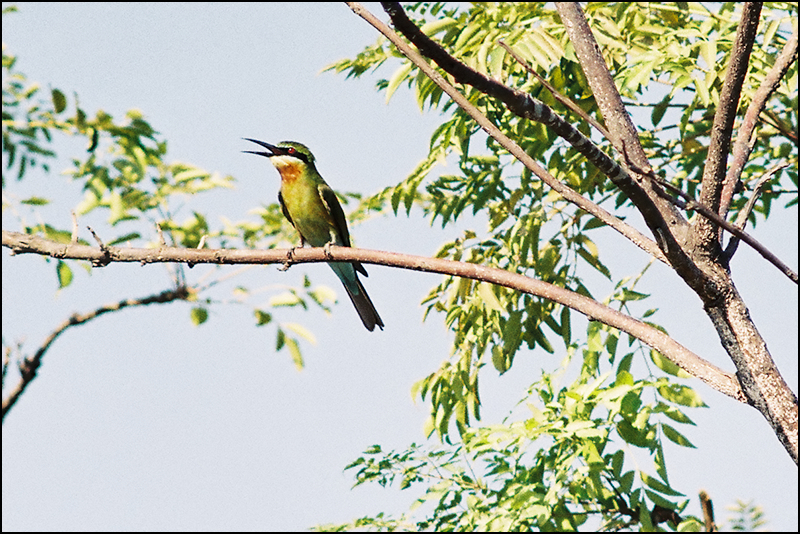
[525, 102]
[705, 233]
[743, 145]
[690, 203]
[565, 101]
[741, 220]
[657, 208]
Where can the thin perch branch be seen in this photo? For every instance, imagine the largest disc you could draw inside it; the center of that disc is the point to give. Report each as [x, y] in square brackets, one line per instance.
[688, 361]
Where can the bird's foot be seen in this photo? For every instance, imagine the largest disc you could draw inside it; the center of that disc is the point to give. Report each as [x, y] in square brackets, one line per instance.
[289, 260]
[327, 249]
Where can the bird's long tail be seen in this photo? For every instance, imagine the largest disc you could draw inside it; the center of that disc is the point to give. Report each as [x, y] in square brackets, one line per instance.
[366, 310]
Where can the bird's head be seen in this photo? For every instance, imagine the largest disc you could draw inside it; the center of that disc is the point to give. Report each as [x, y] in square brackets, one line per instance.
[287, 156]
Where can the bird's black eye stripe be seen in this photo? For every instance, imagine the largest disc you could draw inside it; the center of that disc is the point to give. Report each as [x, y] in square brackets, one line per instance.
[292, 151]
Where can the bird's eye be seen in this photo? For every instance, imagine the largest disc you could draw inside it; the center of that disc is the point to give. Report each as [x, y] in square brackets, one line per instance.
[291, 151]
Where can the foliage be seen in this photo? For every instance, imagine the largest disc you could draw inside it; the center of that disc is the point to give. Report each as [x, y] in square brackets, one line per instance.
[123, 174]
[532, 230]
[553, 467]
[748, 517]
[570, 454]
[556, 468]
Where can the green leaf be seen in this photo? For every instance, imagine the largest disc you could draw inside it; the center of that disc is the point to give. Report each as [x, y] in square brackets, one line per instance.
[125, 238]
[189, 175]
[301, 331]
[667, 366]
[708, 51]
[397, 79]
[59, 101]
[702, 92]
[64, 273]
[35, 201]
[262, 317]
[659, 110]
[435, 26]
[675, 414]
[683, 395]
[499, 359]
[628, 295]
[676, 437]
[287, 298]
[294, 351]
[659, 486]
[486, 292]
[542, 340]
[626, 481]
[566, 330]
[512, 333]
[632, 435]
[594, 261]
[199, 315]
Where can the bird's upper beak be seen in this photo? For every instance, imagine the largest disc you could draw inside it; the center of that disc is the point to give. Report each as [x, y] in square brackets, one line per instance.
[273, 150]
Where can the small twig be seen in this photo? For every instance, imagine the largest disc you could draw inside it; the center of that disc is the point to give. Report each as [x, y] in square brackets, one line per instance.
[741, 220]
[106, 259]
[708, 512]
[97, 238]
[558, 96]
[74, 239]
[289, 260]
[691, 204]
[161, 241]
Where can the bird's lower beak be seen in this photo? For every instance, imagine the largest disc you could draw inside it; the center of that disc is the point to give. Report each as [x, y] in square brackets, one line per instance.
[273, 150]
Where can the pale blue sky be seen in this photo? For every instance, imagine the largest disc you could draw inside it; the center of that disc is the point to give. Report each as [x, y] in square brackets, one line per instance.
[140, 421]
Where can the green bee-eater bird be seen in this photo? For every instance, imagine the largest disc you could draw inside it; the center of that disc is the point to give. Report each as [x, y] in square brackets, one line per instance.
[313, 209]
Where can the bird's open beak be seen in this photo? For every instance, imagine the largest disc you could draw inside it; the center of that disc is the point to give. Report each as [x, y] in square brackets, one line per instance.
[273, 150]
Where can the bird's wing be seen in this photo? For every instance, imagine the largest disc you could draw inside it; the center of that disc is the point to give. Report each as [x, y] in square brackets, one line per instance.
[339, 220]
[335, 209]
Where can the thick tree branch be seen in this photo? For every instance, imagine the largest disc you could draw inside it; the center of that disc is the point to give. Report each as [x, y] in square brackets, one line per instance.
[743, 145]
[520, 103]
[655, 205]
[663, 219]
[692, 363]
[704, 233]
[705, 273]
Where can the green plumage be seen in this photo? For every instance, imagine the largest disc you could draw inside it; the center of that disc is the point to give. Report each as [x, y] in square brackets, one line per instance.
[313, 209]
